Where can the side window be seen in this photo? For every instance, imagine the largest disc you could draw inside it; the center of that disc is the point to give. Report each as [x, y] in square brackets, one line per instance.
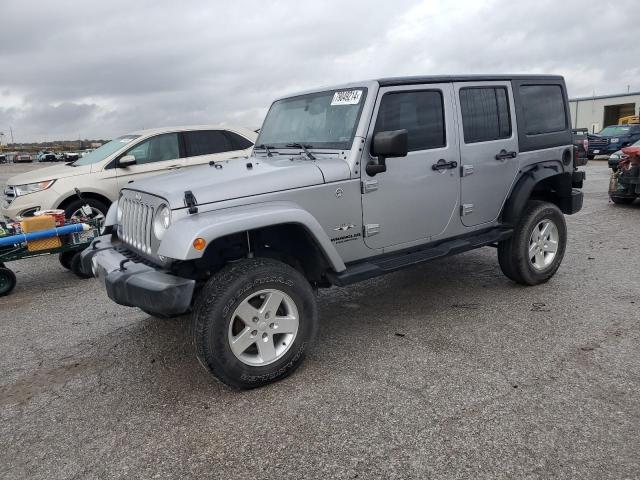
[156, 149]
[238, 141]
[206, 142]
[485, 114]
[421, 113]
[543, 107]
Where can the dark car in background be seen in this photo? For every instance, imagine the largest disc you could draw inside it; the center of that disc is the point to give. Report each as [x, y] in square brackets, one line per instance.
[613, 138]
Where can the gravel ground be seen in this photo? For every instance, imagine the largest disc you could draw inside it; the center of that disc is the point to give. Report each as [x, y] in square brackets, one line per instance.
[443, 371]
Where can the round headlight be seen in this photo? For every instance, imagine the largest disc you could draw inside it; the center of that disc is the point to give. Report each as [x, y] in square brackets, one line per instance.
[161, 222]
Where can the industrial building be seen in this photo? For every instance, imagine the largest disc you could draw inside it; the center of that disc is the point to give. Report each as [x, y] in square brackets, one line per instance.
[598, 112]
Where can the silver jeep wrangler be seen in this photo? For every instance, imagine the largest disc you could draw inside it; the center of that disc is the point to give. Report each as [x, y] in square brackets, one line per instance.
[344, 184]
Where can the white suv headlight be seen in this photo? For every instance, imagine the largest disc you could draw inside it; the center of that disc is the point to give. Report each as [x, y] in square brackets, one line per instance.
[161, 221]
[32, 187]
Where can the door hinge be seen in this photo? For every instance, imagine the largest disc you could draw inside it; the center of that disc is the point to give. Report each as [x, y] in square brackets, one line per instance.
[371, 229]
[466, 170]
[466, 209]
[368, 186]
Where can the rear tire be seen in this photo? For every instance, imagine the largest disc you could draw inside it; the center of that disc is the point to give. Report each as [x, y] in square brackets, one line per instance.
[65, 259]
[7, 281]
[535, 251]
[76, 267]
[253, 322]
[621, 200]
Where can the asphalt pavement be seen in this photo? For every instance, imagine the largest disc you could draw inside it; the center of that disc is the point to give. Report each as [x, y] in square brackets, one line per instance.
[447, 370]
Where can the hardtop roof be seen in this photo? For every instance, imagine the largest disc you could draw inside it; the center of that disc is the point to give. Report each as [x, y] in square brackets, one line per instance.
[386, 82]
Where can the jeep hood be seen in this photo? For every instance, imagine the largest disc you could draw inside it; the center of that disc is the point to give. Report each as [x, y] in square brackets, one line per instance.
[242, 177]
[49, 173]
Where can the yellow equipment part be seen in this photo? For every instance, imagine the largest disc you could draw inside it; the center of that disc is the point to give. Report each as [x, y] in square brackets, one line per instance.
[629, 119]
[35, 224]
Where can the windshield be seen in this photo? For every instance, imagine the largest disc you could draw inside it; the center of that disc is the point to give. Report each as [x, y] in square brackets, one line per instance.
[105, 150]
[615, 130]
[317, 120]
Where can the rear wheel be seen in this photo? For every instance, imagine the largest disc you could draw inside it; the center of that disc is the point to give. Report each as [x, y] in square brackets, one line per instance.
[621, 200]
[253, 322]
[7, 281]
[76, 266]
[65, 259]
[535, 251]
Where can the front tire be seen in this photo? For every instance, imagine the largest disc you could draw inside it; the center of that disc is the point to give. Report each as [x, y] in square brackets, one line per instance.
[253, 322]
[98, 208]
[535, 251]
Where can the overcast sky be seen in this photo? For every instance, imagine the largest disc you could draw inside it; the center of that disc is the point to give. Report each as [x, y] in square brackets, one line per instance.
[95, 69]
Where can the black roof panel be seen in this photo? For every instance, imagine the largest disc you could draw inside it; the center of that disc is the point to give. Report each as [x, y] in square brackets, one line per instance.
[386, 82]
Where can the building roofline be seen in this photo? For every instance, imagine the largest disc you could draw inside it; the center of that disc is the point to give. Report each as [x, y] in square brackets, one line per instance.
[599, 97]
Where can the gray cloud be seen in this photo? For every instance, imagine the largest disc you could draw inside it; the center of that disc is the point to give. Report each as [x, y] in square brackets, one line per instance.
[98, 69]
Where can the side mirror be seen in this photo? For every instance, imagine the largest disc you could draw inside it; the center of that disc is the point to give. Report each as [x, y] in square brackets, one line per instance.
[389, 144]
[126, 161]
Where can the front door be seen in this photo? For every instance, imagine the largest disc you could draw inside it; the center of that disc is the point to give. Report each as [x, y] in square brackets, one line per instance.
[488, 149]
[155, 155]
[416, 198]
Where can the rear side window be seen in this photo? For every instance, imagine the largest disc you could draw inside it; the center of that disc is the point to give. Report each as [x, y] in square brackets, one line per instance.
[421, 113]
[543, 108]
[485, 114]
[206, 142]
[238, 141]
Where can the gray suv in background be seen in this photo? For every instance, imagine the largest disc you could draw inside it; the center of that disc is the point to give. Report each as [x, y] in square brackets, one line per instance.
[344, 184]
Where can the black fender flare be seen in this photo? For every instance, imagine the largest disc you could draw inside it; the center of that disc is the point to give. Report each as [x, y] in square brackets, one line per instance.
[552, 172]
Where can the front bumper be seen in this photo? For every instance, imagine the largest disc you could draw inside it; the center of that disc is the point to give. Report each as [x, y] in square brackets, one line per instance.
[136, 284]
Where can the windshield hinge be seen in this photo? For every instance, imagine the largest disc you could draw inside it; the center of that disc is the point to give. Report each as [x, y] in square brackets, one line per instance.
[191, 202]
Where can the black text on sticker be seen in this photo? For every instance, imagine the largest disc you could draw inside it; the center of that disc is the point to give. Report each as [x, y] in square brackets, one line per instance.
[346, 97]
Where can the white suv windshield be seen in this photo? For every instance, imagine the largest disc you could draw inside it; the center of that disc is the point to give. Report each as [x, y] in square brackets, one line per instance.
[317, 120]
[105, 150]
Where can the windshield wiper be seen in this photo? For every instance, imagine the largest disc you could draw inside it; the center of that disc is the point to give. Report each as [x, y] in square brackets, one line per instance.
[266, 148]
[304, 149]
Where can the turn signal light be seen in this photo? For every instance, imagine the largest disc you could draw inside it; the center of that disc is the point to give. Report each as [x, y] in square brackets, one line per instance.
[199, 243]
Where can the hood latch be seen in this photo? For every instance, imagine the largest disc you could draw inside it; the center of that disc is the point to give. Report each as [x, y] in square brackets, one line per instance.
[191, 202]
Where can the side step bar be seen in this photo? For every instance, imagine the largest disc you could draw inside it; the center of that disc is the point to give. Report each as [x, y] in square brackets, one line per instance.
[357, 272]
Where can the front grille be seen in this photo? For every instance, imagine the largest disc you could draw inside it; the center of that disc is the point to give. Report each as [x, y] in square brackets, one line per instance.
[598, 142]
[136, 224]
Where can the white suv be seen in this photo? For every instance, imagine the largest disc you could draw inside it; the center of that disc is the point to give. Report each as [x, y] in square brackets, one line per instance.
[102, 173]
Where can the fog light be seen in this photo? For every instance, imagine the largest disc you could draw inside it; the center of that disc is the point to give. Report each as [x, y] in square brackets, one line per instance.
[199, 243]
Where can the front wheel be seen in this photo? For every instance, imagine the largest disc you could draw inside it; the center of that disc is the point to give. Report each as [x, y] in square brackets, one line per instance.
[535, 251]
[253, 322]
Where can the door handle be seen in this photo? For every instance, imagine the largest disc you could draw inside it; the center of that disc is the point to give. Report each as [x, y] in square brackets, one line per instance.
[442, 164]
[503, 154]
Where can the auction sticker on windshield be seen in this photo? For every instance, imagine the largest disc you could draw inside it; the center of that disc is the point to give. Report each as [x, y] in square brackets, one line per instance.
[346, 97]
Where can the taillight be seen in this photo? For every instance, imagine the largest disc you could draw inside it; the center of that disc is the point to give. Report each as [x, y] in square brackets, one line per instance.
[585, 142]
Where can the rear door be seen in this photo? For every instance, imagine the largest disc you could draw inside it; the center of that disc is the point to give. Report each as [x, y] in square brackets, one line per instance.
[204, 146]
[412, 202]
[488, 148]
[155, 155]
